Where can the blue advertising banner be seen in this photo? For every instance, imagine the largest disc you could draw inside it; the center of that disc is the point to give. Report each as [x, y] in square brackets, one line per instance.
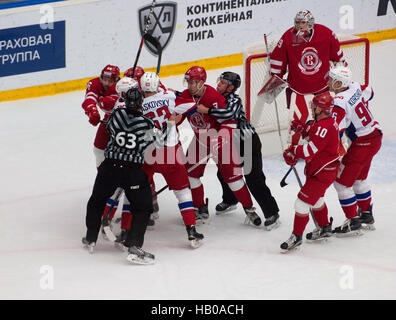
[32, 48]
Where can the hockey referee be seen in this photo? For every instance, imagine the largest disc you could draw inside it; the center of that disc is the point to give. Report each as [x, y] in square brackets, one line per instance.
[227, 83]
[130, 134]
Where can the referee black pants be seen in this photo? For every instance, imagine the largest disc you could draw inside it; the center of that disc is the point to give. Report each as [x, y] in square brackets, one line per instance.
[255, 179]
[129, 176]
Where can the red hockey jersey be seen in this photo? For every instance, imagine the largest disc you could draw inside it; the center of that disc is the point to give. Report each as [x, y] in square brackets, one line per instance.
[322, 147]
[210, 99]
[308, 62]
[95, 91]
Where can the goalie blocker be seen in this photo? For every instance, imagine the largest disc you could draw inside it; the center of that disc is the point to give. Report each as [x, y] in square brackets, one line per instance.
[272, 88]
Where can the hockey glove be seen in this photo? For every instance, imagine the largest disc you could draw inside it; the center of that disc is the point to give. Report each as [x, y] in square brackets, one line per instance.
[289, 157]
[93, 115]
[299, 126]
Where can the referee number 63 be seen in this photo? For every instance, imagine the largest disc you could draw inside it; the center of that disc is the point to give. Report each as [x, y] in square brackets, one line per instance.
[127, 140]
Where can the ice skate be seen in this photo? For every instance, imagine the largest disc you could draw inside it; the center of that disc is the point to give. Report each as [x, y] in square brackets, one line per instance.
[119, 242]
[321, 233]
[292, 243]
[223, 207]
[202, 214]
[155, 214]
[366, 218]
[88, 245]
[350, 227]
[252, 216]
[272, 222]
[151, 223]
[137, 255]
[194, 237]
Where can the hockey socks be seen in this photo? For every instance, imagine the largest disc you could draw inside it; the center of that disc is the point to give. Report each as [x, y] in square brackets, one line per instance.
[186, 205]
[349, 206]
[241, 192]
[187, 212]
[300, 222]
[364, 201]
[198, 196]
[126, 217]
[320, 216]
[110, 209]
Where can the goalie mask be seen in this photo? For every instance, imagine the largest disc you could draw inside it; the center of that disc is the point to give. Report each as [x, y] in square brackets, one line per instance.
[341, 74]
[149, 82]
[304, 16]
[232, 78]
[133, 99]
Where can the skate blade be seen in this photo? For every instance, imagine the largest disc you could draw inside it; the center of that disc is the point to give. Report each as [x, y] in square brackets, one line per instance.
[120, 246]
[293, 249]
[89, 248]
[136, 260]
[355, 233]
[319, 240]
[231, 208]
[250, 223]
[196, 243]
[109, 234]
[155, 215]
[273, 226]
[368, 227]
[200, 222]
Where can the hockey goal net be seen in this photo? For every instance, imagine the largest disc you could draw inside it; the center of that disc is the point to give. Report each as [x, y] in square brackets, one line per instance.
[263, 116]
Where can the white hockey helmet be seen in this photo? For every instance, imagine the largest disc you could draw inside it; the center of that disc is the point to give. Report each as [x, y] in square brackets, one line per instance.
[304, 15]
[149, 82]
[124, 84]
[342, 74]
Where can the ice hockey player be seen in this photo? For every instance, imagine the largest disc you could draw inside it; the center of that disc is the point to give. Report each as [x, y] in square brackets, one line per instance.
[101, 94]
[305, 51]
[321, 156]
[352, 113]
[169, 160]
[122, 167]
[227, 84]
[213, 136]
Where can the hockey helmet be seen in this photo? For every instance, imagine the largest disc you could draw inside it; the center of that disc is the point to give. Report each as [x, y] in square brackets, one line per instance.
[342, 74]
[324, 101]
[133, 99]
[232, 78]
[124, 84]
[149, 82]
[139, 71]
[110, 71]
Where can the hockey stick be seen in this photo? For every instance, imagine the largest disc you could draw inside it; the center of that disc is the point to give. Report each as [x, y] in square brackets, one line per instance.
[144, 37]
[276, 104]
[283, 181]
[189, 170]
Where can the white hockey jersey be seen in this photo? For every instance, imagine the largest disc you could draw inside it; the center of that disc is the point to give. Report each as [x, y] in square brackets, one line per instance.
[159, 108]
[352, 113]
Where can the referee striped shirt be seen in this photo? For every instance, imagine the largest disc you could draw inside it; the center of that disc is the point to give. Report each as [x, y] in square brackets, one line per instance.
[130, 134]
[234, 111]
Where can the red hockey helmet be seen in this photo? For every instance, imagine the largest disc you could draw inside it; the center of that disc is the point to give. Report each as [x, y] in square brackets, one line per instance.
[195, 73]
[139, 71]
[110, 71]
[324, 101]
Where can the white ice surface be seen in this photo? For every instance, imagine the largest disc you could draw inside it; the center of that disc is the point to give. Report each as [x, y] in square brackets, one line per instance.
[47, 172]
